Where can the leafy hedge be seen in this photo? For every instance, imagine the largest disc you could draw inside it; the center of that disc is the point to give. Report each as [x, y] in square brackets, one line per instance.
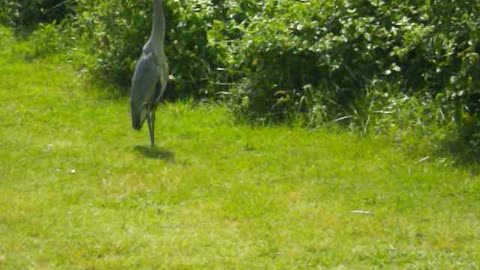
[336, 47]
[342, 47]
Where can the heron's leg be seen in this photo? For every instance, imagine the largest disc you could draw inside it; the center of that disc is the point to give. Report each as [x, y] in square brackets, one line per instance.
[153, 125]
[150, 128]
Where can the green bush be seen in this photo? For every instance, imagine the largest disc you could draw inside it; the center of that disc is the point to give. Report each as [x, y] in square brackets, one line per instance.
[112, 32]
[46, 40]
[29, 13]
[341, 47]
[9, 11]
[336, 47]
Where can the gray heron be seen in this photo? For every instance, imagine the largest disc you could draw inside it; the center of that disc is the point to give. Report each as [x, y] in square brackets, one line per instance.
[151, 74]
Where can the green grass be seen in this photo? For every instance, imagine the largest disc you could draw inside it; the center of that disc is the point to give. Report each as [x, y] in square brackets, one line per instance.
[79, 189]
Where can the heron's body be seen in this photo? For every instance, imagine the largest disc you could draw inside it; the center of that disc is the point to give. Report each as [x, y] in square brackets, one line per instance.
[151, 73]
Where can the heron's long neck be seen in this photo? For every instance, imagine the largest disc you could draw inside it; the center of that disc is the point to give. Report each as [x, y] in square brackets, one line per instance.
[158, 29]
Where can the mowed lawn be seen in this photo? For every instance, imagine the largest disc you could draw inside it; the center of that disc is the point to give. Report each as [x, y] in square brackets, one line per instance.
[79, 189]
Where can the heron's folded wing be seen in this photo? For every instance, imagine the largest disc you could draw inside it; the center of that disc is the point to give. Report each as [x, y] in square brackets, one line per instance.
[163, 79]
[144, 80]
[143, 89]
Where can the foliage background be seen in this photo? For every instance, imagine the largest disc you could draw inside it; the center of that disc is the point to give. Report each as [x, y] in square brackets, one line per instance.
[372, 65]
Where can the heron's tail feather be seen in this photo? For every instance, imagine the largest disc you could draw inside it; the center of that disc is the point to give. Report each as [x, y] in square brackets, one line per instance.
[138, 118]
[137, 124]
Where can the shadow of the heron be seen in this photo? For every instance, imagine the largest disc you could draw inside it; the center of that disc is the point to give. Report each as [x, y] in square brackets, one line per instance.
[156, 153]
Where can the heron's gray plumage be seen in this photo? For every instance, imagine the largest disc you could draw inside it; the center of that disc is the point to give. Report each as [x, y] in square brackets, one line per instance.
[151, 74]
[144, 88]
